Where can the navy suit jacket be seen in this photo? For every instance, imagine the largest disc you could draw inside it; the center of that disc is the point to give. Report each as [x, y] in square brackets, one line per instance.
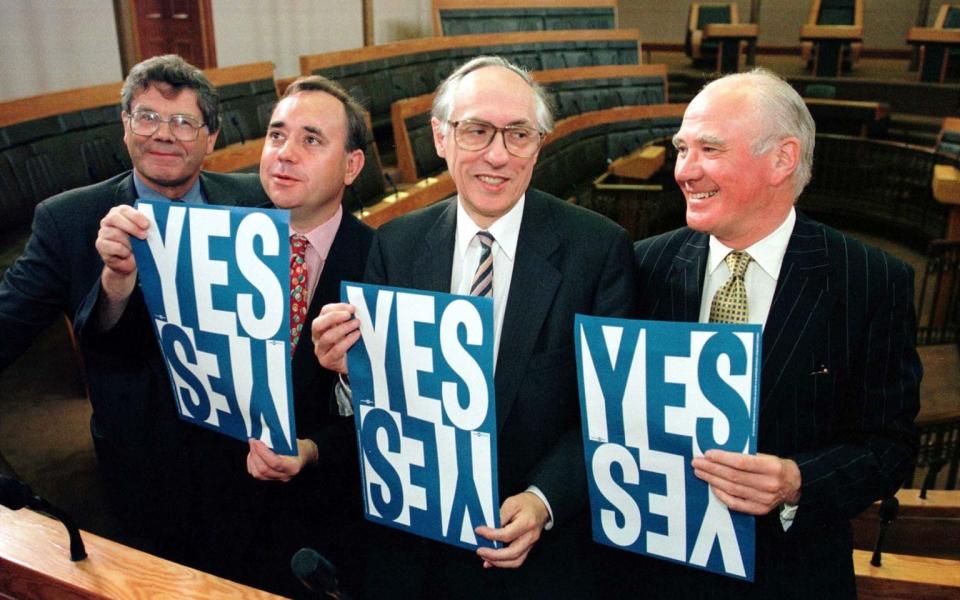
[134, 421]
[568, 260]
[839, 391]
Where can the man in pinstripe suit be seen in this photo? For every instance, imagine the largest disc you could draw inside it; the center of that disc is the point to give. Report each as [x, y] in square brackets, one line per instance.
[840, 373]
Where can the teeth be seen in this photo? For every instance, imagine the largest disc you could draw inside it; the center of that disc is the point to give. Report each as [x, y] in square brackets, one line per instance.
[703, 195]
[490, 180]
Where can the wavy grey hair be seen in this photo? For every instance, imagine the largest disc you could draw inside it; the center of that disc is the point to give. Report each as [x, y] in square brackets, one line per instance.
[177, 73]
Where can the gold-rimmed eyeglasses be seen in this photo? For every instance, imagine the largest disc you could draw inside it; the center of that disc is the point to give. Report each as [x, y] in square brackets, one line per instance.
[519, 140]
[147, 122]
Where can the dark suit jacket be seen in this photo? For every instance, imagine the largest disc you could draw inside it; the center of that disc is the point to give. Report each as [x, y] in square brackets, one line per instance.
[137, 434]
[838, 394]
[569, 260]
[261, 524]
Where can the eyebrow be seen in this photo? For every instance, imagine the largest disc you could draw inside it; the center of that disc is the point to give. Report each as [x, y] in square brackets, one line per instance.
[705, 138]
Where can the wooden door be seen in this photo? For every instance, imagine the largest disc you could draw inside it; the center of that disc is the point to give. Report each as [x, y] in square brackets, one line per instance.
[183, 27]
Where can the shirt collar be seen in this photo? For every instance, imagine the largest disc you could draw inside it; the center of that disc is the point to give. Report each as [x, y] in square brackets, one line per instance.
[768, 253]
[321, 236]
[505, 230]
[144, 192]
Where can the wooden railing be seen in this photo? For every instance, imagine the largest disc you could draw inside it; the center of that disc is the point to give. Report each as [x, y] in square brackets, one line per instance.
[35, 565]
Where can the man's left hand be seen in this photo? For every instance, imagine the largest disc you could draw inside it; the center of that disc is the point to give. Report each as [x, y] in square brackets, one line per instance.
[754, 485]
[522, 518]
[265, 464]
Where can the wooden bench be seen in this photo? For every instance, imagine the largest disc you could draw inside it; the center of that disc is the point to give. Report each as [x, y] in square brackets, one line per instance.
[573, 91]
[461, 17]
[55, 142]
[923, 527]
[35, 565]
[937, 45]
[849, 117]
[906, 576]
[380, 75]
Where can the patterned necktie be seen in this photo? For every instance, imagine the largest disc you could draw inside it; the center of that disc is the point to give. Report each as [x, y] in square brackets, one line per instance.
[483, 278]
[298, 287]
[730, 302]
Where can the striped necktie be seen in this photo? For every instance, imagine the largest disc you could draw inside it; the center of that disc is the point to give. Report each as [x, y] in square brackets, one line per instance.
[730, 302]
[483, 278]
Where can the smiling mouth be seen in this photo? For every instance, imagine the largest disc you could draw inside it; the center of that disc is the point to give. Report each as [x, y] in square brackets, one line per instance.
[491, 180]
[703, 195]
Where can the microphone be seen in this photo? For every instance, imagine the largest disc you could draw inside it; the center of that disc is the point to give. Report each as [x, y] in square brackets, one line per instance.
[393, 186]
[887, 512]
[933, 469]
[14, 494]
[316, 573]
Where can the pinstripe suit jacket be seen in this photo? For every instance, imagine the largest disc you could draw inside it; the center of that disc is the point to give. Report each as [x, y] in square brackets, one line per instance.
[838, 391]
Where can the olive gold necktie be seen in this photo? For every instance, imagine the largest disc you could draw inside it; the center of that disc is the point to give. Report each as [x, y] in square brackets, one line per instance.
[730, 302]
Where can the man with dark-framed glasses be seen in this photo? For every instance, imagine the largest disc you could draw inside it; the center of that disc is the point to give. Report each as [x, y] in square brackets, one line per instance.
[550, 260]
[150, 461]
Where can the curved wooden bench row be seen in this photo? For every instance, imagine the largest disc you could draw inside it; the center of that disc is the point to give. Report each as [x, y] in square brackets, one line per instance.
[878, 185]
[380, 75]
[462, 17]
[35, 565]
[562, 162]
[573, 91]
[59, 141]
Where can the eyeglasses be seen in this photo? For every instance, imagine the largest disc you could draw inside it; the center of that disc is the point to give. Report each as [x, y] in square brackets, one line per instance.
[520, 141]
[147, 122]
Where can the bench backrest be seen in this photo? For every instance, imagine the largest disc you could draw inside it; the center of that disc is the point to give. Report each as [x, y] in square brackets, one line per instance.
[380, 75]
[461, 17]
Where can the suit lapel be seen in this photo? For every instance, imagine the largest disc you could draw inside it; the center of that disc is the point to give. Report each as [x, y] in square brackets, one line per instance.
[686, 279]
[214, 193]
[432, 268]
[802, 299]
[533, 285]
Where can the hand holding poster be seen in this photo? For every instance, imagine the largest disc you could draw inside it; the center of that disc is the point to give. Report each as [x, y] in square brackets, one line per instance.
[423, 400]
[653, 395]
[215, 282]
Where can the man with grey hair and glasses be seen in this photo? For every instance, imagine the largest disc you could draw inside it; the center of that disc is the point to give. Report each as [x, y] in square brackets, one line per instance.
[78, 262]
[542, 261]
[839, 369]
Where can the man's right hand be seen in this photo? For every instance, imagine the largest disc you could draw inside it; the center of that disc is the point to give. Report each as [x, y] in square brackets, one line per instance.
[119, 276]
[333, 332]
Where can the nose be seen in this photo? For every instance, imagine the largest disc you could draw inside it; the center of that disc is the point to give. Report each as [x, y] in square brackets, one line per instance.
[286, 152]
[687, 167]
[496, 153]
[164, 132]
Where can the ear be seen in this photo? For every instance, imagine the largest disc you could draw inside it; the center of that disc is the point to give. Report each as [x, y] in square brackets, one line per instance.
[785, 158]
[212, 140]
[438, 137]
[355, 161]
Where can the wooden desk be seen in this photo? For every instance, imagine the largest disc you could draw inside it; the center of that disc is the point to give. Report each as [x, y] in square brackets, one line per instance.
[730, 48]
[906, 576]
[829, 41]
[35, 564]
[937, 45]
[846, 117]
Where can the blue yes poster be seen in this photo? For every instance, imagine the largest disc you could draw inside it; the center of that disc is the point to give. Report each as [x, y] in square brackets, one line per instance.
[653, 395]
[421, 376]
[215, 280]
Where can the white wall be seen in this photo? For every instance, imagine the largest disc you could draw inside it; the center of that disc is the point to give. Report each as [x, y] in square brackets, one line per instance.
[280, 31]
[50, 46]
[395, 20]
